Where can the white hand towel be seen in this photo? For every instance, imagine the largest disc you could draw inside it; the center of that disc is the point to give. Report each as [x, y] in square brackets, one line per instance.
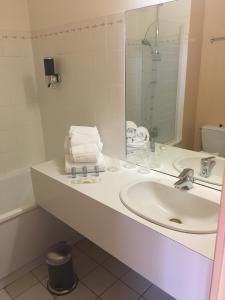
[79, 166]
[87, 153]
[131, 128]
[84, 130]
[84, 135]
[81, 139]
[142, 134]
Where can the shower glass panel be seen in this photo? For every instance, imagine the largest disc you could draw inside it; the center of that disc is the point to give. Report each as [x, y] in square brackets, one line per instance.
[159, 87]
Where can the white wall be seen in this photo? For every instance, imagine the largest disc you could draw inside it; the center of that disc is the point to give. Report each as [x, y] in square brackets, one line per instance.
[55, 12]
[21, 142]
[91, 62]
[14, 15]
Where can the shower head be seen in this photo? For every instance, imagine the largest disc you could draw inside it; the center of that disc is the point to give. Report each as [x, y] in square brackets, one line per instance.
[155, 52]
[153, 46]
[146, 42]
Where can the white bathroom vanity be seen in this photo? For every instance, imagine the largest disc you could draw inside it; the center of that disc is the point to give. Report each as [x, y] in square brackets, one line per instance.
[177, 262]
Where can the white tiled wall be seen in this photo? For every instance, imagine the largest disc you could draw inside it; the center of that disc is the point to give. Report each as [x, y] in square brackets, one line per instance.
[21, 142]
[134, 78]
[91, 62]
[89, 55]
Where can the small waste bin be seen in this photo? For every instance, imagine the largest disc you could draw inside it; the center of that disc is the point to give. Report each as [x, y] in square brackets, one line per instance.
[62, 279]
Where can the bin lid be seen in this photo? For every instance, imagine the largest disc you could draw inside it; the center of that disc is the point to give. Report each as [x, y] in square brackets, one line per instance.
[59, 254]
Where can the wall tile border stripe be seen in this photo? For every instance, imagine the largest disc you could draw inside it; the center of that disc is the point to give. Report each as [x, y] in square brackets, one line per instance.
[106, 21]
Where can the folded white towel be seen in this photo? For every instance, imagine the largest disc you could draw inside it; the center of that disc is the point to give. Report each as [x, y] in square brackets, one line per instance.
[131, 128]
[84, 130]
[81, 139]
[142, 135]
[84, 135]
[86, 153]
[69, 164]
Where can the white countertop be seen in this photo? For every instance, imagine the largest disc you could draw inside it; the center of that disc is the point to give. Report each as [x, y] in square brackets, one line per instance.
[107, 193]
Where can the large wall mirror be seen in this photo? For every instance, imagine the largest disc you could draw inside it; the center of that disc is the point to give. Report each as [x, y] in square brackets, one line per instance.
[175, 111]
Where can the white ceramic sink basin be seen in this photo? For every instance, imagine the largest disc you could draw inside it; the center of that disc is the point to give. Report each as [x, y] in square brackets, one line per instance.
[171, 208]
[194, 163]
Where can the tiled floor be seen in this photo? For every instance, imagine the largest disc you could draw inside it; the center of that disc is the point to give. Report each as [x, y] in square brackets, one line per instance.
[101, 277]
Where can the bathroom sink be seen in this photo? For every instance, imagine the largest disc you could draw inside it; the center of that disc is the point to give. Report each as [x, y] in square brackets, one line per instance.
[171, 208]
[193, 162]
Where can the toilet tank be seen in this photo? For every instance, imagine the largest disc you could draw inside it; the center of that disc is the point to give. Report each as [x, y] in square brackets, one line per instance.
[213, 139]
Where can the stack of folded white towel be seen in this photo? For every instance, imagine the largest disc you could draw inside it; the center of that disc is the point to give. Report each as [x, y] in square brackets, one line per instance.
[83, 148]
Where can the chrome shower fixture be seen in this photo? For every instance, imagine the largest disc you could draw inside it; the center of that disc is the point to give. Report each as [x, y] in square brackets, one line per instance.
[53, 79]
[154, 48]
[146, 42]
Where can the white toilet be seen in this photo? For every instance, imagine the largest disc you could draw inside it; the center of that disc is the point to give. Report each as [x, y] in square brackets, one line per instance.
[213, 139]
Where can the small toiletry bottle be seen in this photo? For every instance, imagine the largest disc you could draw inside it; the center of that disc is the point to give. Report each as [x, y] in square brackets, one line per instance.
[154, 156]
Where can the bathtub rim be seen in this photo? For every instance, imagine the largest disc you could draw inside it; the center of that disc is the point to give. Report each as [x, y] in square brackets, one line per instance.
[12, 214]
[30, 205]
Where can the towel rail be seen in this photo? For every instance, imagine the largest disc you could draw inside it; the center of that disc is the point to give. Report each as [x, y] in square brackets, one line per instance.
[216, 39]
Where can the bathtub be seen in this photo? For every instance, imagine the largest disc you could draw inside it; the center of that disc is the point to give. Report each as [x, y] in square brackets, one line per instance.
[26, 231]
[16, 194]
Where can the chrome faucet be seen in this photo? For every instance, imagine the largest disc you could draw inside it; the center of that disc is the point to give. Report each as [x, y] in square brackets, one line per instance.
[186, 180]
[207, 164]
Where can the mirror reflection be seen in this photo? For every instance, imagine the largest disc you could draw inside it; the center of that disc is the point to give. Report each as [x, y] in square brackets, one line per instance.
[171, 125]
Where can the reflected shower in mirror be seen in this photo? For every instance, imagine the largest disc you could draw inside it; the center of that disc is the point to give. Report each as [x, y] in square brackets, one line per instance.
[169, 92]
[156, 67]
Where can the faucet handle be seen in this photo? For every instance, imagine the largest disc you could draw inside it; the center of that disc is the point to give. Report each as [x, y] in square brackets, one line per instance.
[187, 172]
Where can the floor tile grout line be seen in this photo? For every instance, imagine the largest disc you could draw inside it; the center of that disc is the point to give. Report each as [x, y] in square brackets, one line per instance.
[45, 287]
[89, 289]
[30, 287]
[42, 284]
[83, 252]
[7, 293]
[102, 265]
[103, 262]
[7, 285]
[140, 294]
[26, 272]
[40, 280]
[109, 287]
[119, 278]
[92, 270]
